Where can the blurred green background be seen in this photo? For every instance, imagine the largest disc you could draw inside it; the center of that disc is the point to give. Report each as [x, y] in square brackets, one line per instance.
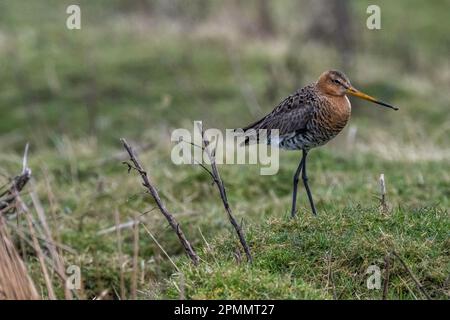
[139, 69]
[135, 65]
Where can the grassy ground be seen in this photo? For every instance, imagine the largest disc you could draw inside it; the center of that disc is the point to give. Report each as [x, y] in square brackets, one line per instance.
[73, 94]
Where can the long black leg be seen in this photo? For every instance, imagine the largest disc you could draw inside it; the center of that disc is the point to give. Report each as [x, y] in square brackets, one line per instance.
[294, 192]
[305, 182]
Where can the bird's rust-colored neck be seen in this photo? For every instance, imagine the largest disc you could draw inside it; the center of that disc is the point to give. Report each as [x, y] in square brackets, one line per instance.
[341, 111]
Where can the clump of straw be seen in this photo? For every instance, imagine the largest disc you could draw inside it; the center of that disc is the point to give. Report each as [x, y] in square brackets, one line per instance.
[15, 282]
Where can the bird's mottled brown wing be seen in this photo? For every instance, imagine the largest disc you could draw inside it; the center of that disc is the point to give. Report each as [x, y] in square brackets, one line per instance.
[291, 115]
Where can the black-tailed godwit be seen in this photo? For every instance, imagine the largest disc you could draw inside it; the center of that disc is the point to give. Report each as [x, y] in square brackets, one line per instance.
[311, 117]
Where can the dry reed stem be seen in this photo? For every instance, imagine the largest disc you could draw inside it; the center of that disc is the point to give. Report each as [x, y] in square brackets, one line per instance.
[40, 255]
[29, 242]
[15, 282]
[50, 244]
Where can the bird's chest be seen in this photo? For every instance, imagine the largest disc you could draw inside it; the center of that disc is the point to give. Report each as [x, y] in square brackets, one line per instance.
[335, 114]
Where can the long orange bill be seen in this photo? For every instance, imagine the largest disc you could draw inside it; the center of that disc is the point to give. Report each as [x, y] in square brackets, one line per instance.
[364, 96]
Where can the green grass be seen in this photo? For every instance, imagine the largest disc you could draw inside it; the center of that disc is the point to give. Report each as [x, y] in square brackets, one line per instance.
[73, 94]
[304, 252]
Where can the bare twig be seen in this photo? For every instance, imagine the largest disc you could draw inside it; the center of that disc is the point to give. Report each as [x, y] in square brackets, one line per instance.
[17, 184]
[416, 281]
[154, 193]
[122, 155]
[214, 172]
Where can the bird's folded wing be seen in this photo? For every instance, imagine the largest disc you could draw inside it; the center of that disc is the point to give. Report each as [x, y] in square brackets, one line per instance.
[291, 116]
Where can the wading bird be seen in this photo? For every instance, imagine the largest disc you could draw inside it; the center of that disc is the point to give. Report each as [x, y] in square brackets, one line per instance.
[309, 118]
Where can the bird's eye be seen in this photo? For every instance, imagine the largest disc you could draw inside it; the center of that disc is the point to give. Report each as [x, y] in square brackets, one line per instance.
[336, 81]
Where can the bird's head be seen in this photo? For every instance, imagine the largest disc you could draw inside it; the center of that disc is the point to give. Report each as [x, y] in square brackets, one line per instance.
[336, 83]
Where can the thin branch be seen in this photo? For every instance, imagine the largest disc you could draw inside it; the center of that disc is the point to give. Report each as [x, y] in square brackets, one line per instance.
[207, 170]
[122, 155]
[17, 184]
[169, 217]
[223, 195]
